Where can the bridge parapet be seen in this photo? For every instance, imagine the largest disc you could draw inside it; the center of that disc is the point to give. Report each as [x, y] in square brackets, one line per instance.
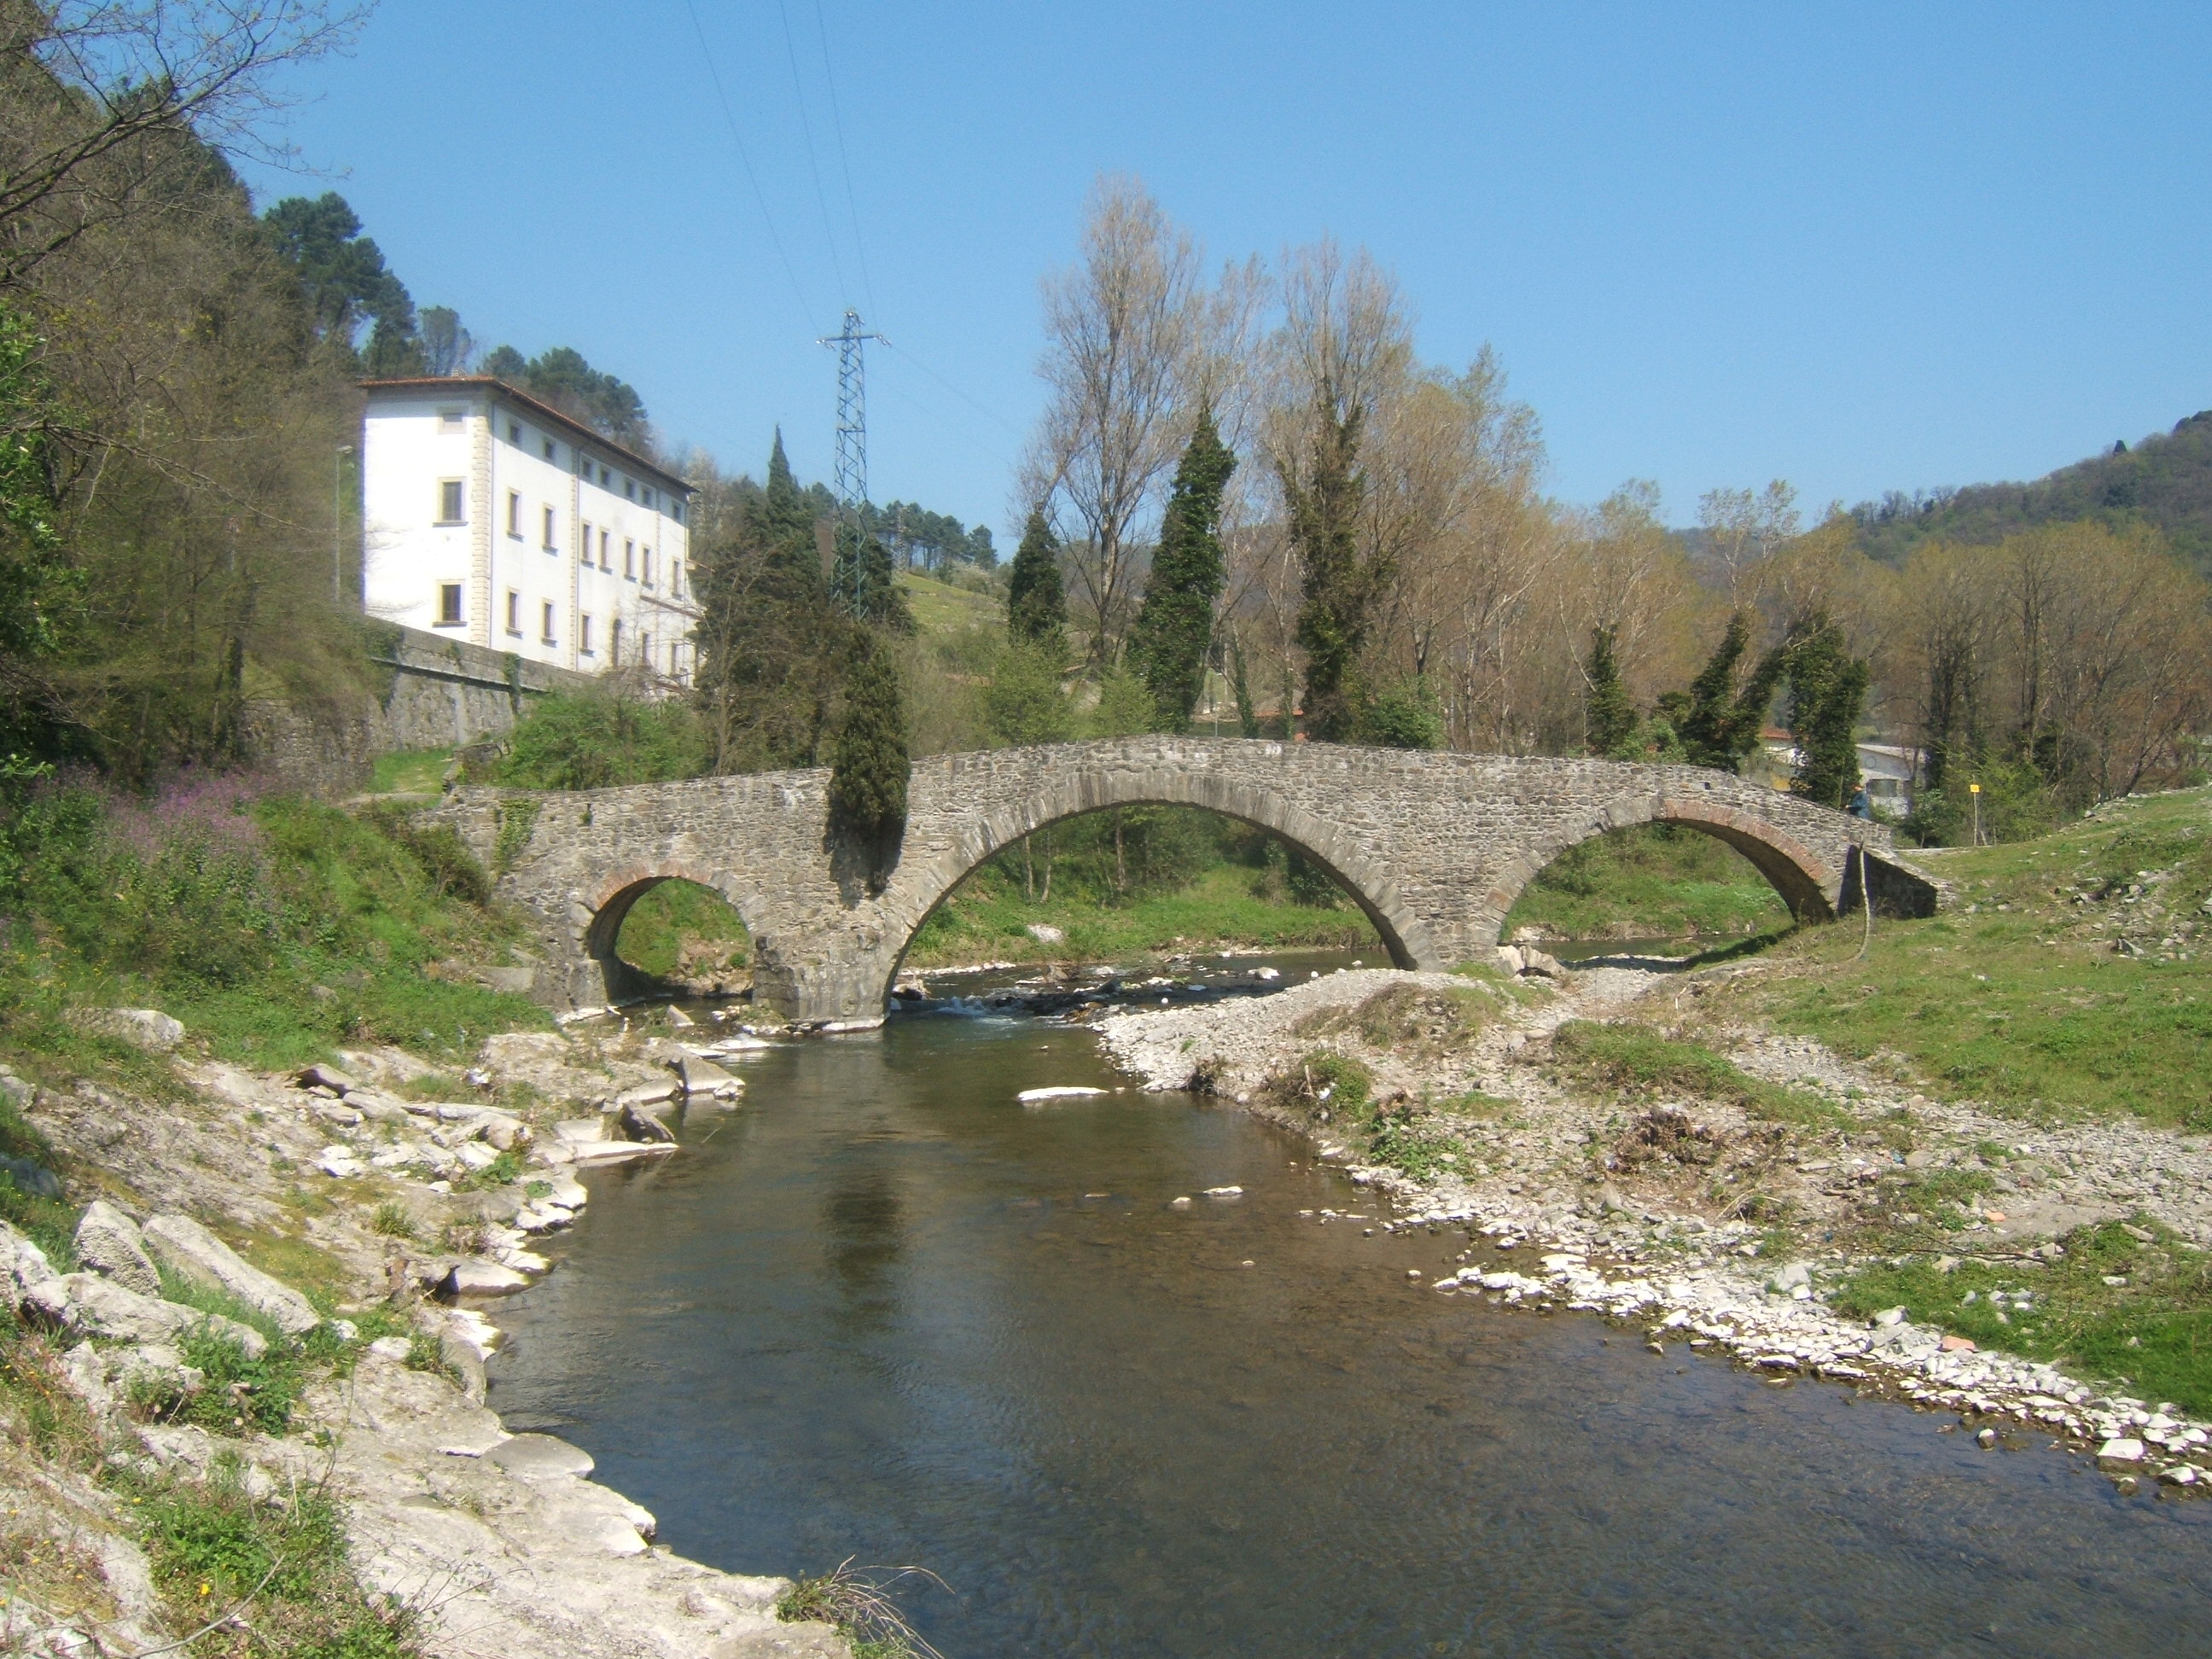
[1435, 846]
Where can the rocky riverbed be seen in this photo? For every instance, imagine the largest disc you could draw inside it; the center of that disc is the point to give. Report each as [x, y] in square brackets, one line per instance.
[1548, 1176]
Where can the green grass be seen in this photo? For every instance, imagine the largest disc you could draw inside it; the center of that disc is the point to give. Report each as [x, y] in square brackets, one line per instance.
[986, 918]
[275, 940]
[2151, 1336]
[675, 913]
[1637, 1061]
[940, 608]
[415, 772]
[2028, 1008]
[1654, 881]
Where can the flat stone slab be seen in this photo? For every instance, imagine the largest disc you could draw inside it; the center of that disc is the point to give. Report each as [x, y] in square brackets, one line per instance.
[540, 1457]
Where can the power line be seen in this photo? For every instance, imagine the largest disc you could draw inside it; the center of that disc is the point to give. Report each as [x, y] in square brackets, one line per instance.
[730, 116]
[988, 414]
[844, 165]
[806, 131]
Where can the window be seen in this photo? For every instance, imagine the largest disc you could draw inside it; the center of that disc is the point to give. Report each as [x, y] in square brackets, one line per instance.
[606, 479]
[630, 560]
[647, 567]
[629, 487]
[449, 420]
[514, 514]
[515, 613]
[676, 577]
[449, 604]
[676, 510]
[584, 554]
[552, 450]
[549, 531]
[583, 633]
[645, 650]
[548, 635]
[605, 558]
[614, 641]
[514, 434]
[449, 501]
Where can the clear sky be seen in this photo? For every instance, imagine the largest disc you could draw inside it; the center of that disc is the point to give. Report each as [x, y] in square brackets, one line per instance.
[1914, 246]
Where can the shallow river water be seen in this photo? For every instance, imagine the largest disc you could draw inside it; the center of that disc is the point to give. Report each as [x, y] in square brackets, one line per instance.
[885, 1311]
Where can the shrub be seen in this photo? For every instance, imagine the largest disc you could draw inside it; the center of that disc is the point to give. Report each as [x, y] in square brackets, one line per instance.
[591, 740]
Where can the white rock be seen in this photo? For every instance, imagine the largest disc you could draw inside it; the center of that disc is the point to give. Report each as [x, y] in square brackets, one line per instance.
[107, 1242]
[477, 1156]
[392, 1347]
[100, 1307]
[1063, 1091]
[594, 1153]
[143, 1028]
[1045, 933]
[339, 1163]
[476, 1277]
[1224, 1192]
[184, 1246]
[2124, 1451]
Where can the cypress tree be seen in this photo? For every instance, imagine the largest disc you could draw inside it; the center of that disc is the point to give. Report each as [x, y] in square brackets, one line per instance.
[1337, 586]
[1608, 717]
[1718, 722]
[1037, 609]
[1174, 625]
[869, 762]
[1827, 687]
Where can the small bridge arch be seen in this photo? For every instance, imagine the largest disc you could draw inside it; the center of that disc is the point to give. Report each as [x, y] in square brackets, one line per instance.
[1434, 846]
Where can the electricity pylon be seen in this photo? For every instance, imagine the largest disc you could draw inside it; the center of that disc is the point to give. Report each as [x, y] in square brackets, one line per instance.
[850, 577]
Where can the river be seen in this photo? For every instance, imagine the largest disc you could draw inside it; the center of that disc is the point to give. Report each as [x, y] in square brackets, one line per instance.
[885, 1311]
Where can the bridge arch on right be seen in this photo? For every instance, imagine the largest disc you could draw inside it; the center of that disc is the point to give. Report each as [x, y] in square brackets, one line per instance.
[1638, 867]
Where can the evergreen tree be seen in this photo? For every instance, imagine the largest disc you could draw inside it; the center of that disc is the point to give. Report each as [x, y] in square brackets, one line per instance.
[1037, 609]
[862, 581]
[1717, 721]
[1024, 703]
[1174, 625]
[1609, 722]
[869, 762]
[1248, 716]
[1337, 586]
[1404, 716]
[1827, 687]
[772, 648]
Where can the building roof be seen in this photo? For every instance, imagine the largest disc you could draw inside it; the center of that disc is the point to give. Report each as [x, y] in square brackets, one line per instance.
[578, 431]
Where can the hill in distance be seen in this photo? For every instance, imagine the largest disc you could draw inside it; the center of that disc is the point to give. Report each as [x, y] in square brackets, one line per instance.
[2166, 481]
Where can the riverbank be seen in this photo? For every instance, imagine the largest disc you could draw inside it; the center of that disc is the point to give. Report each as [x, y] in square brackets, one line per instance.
[1715, 1199]
[379, 1206]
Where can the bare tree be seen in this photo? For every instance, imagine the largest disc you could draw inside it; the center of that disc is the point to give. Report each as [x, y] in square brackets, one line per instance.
[1127, 332]
[1741, 528]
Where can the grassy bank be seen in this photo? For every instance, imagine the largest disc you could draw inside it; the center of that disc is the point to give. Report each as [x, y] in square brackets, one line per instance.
[274, 928]
[2069, 980]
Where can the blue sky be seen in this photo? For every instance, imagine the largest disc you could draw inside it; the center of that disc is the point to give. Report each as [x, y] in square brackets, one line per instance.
[1912, 246]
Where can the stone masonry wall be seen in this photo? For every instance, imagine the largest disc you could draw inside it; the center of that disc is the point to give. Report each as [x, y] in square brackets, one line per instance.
[1436, 847]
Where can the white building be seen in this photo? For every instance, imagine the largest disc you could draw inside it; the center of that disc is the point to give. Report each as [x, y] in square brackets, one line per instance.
[489, 516]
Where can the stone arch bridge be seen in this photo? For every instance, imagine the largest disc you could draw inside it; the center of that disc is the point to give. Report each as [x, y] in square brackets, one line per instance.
[1434, 846]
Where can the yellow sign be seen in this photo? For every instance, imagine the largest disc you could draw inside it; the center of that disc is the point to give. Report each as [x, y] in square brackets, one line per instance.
[1973, 788]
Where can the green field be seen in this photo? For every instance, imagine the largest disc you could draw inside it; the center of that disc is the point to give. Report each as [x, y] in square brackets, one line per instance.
[2025, 993]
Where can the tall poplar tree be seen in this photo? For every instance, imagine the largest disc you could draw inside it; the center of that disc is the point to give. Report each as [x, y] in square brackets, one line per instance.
[1174, 626]
[1036, 608]
[1717, 720]
[1827, 687]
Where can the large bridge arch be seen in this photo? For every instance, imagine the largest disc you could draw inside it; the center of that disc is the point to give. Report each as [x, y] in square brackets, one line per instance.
[914, 893]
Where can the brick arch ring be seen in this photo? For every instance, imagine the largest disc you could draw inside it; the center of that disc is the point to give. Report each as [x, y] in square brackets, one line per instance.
[914, 893]
[1805, 884]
